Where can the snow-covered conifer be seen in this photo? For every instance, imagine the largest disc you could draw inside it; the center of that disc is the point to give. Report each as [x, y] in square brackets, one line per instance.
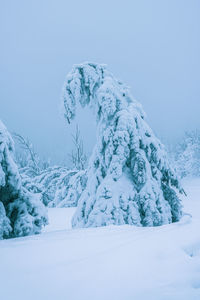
[21, 213]
[130, 180]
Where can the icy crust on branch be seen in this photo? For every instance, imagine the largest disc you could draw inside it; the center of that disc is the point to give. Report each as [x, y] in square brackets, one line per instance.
[21, 213]
[130, 180]
[57, 186]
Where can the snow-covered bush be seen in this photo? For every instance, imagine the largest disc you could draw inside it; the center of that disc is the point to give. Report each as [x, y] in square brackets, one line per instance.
[57, 186]
[130, 180]
[186, 155]
[21, 212]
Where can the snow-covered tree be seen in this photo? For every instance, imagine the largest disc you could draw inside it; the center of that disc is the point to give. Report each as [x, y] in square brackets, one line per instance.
[130, 180]
[21, 212]
[186, 155]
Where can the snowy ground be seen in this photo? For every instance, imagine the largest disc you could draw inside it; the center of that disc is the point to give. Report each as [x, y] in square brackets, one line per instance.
[121, 262]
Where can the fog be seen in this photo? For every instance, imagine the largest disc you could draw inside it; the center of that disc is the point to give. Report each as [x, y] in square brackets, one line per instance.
[151, 45]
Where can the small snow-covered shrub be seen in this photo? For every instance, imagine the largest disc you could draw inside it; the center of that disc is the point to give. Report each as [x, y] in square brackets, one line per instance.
[21, 212]
[130, 180]
[57, 186]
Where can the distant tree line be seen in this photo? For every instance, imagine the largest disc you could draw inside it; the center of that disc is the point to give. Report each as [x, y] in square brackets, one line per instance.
[185, 154]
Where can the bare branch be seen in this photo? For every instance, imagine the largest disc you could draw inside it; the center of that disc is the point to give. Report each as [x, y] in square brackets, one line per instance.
[78, 157]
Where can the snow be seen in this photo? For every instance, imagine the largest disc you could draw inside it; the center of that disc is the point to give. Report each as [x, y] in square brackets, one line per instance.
[113, 262]
[126, 150]
[57, 186]
[21, 212]
[59, 219]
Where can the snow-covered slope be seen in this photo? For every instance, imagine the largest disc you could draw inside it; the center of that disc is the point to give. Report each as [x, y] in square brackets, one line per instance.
[114, 262]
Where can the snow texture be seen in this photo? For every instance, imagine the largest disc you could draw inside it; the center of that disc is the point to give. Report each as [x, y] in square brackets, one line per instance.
[21, 213]
[57, 186]
[113, 262]
[130, 180]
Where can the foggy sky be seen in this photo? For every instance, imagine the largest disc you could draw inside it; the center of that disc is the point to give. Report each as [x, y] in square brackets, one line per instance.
[151, 45]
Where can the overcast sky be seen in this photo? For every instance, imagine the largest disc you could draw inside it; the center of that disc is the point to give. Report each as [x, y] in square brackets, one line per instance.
[152, 45]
